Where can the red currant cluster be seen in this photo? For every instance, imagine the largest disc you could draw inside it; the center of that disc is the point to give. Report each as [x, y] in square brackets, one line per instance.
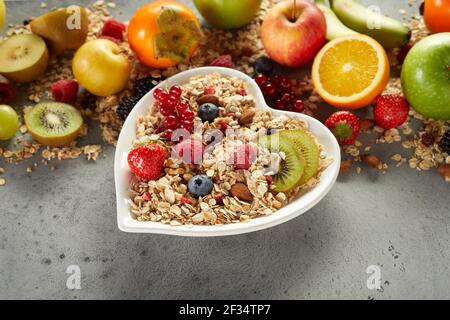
[177, 114]
[279, 93]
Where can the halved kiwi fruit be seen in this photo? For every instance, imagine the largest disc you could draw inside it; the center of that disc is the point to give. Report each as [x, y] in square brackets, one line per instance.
[23, 57]
[306, 144]
[291, 169]
[54, 124]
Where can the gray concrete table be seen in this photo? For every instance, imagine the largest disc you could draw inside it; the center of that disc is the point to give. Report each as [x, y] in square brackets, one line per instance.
[50, 220]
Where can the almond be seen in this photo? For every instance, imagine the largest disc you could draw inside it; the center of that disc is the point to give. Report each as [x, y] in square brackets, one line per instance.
[444, 170]
[371, 161]
[208, 98]
[366, 124]
[247, 117]
[241, 191]
[345, 166]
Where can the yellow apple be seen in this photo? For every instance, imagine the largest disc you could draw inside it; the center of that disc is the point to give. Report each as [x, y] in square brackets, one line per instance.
[2, 13]
[101, 68]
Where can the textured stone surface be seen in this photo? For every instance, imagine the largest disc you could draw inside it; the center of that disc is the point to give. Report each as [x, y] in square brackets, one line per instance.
[50, 220]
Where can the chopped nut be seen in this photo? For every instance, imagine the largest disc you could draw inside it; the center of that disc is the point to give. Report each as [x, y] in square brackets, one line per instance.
[241, 191]
[371, 161]
[208, 98]
[247, 117]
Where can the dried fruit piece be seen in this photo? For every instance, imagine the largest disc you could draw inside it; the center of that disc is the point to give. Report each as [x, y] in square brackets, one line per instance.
[345, 166]
[6, 93]
[224, 61]
[247, 116]
[444, 170]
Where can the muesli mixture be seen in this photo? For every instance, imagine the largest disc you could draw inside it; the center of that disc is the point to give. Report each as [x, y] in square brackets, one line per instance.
[240, 188]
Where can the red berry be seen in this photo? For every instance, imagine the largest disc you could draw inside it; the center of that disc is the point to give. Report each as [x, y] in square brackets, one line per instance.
[171, 122]
[224, 61]
[157, 93]
[147, 162]
[187, 125]
[181, 108]
[279, 105]
[186, 200]
[286, 98]
[209, 90]
[189, 151]
[269, 180]
[285, 86]
[175, 91]
[114, 29]
[168, 134]
[261, 80]
[390, 111]
[188, 115]
[345, 126]
[6, 93]
[161, 128]
[269, 90]
[172, 102]
[65, 91]
[276, 80]
[299, 106]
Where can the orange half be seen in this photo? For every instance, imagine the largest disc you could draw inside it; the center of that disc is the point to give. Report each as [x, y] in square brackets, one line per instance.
[350, 71]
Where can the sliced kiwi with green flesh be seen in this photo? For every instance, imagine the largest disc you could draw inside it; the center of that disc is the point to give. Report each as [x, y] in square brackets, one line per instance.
[23, 57]
[291, 168]
[54, 124]
[308, 148]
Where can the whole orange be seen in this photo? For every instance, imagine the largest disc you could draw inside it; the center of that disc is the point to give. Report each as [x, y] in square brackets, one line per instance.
[437, 15]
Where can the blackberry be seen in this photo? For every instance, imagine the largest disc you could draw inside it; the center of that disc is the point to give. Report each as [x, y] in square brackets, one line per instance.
[445, 142]
[144, 85]
[88, 101]
[125, 106]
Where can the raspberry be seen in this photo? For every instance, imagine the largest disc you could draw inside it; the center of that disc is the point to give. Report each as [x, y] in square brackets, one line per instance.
[113, 29]
[390, 111]
[65, 91]
[224, 61]
[147, 162]
[6, 93]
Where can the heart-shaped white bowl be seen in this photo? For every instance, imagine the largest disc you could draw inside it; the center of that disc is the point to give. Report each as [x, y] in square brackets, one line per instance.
[303, 203]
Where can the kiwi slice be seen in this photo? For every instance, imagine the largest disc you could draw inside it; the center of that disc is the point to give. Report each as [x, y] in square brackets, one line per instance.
[23, 57]
[291, 169]
[54, 124]
[308, 148]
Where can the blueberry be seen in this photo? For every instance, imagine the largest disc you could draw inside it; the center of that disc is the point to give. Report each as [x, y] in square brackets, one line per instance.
[200, 186]
[263, 65]
[208, 112]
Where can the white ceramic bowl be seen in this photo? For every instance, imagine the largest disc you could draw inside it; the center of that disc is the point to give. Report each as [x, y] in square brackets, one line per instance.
[305, 202]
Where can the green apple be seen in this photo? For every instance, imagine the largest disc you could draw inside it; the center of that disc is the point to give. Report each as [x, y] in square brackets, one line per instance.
[426, 76]
[228, 14]
[101, 67]
[9, 122]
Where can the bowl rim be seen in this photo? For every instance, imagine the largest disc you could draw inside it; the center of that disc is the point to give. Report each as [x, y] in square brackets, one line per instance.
[127, 223]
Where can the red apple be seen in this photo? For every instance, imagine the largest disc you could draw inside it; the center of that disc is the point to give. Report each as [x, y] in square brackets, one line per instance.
[292, 37]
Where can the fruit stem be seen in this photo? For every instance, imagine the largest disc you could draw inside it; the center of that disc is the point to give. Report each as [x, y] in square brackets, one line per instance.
[293, 10]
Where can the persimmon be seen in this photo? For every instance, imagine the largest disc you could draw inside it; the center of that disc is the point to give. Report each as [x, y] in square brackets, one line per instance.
[437, 15]
[164, 33]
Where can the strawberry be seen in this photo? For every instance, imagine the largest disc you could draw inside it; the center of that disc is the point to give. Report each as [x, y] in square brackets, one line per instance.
[390, 111]
[65, 91]
[113, 29]
[147, 162]
[224, 61]
[345, 126]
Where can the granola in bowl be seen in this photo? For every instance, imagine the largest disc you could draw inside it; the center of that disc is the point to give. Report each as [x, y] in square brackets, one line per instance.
[235, 161]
